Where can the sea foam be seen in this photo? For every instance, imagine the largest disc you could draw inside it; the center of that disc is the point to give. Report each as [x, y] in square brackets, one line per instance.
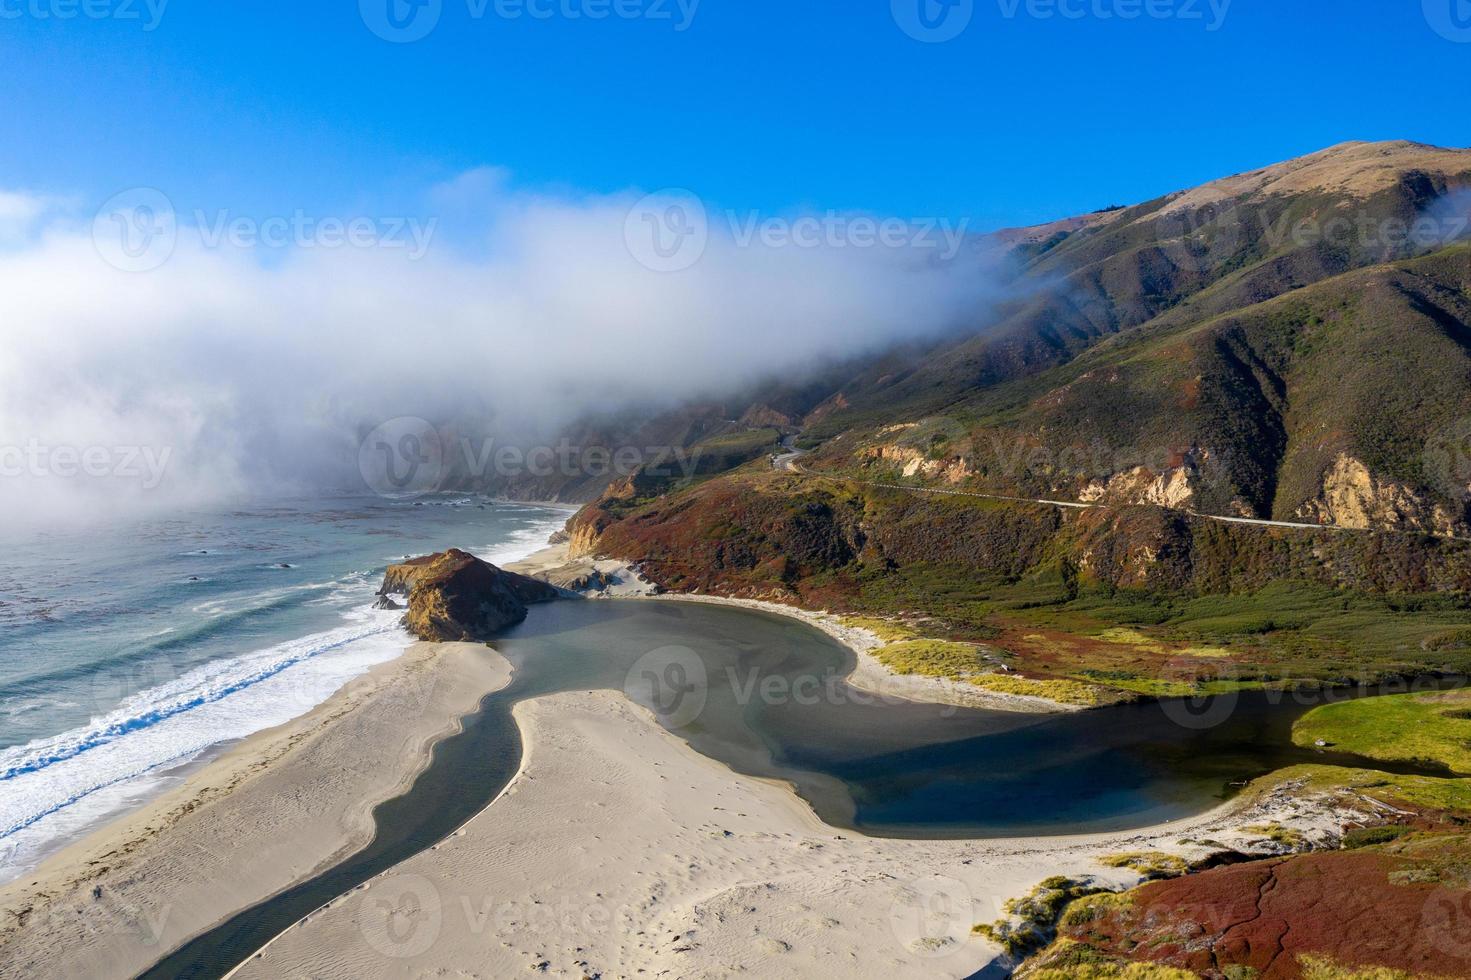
[53, 789]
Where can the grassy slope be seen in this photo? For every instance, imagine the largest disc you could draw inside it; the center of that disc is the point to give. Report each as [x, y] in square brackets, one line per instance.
[1143, 601]
[1135, 337]
[1407, 726]
[1395, 872]
[1272, 393]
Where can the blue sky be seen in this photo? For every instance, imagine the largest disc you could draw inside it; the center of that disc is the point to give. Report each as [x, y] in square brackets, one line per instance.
[774, 106]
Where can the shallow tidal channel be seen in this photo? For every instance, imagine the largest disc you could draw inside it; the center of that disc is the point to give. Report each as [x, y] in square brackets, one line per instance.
[765, 695]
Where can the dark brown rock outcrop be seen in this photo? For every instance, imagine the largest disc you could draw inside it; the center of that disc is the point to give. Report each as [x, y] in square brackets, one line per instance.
[456, 596]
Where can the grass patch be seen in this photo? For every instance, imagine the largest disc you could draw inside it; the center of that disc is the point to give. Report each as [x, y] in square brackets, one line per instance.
[1369, 836]
[743, 442]
[1061, 691]
[1277, 833]
[1449, 794]
[887, 630]
[1031, 921]
[1132, 637]
[1150, 864]
[934, 658]
[1412, 727]
[1110, 971]
[1321, 968]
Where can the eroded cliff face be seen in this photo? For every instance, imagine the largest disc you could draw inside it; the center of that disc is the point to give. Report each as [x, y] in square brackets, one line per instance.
[911, 463]
[768, 532]
[1352, 496]
[455, 596]
[588, 524]
[1141, 485]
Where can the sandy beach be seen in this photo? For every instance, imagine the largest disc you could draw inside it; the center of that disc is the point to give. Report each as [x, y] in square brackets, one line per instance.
[618, 851]
[269, 811]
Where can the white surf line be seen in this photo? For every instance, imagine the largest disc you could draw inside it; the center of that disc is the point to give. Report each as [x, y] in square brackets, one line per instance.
[789, 463]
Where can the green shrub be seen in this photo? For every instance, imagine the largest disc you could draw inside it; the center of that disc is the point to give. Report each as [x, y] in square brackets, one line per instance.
[1369, 836]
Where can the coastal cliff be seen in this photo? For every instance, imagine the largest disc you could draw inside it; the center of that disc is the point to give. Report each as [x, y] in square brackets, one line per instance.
[455, 596]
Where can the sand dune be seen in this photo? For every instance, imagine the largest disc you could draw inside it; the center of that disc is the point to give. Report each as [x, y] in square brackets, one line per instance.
[271, 811]
[618, 851]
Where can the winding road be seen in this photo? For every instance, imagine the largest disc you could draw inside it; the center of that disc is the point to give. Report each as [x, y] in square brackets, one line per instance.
[787, 461]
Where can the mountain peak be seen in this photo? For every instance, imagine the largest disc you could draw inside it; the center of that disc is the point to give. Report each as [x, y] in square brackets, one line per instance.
[1354, 169]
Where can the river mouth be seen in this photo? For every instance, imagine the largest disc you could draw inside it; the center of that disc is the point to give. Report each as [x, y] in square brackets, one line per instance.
[764, 694]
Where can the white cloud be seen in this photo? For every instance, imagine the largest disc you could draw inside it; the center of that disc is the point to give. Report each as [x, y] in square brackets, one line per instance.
[19, 212]
[259, 375]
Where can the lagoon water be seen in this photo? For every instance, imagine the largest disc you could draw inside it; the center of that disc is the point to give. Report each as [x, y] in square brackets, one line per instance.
[764, 694]
[128, 651]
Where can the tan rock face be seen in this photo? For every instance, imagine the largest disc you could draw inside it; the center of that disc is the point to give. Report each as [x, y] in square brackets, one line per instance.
[583, 541]
[1354, 497]
[588, 524]
[455, 596]
[914, 463]
[1142, 485]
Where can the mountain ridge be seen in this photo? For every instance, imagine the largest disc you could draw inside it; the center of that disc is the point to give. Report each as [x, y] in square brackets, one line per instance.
[1164, 367]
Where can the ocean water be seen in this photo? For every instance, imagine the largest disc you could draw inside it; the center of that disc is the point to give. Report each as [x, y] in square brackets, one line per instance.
[128, 652]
